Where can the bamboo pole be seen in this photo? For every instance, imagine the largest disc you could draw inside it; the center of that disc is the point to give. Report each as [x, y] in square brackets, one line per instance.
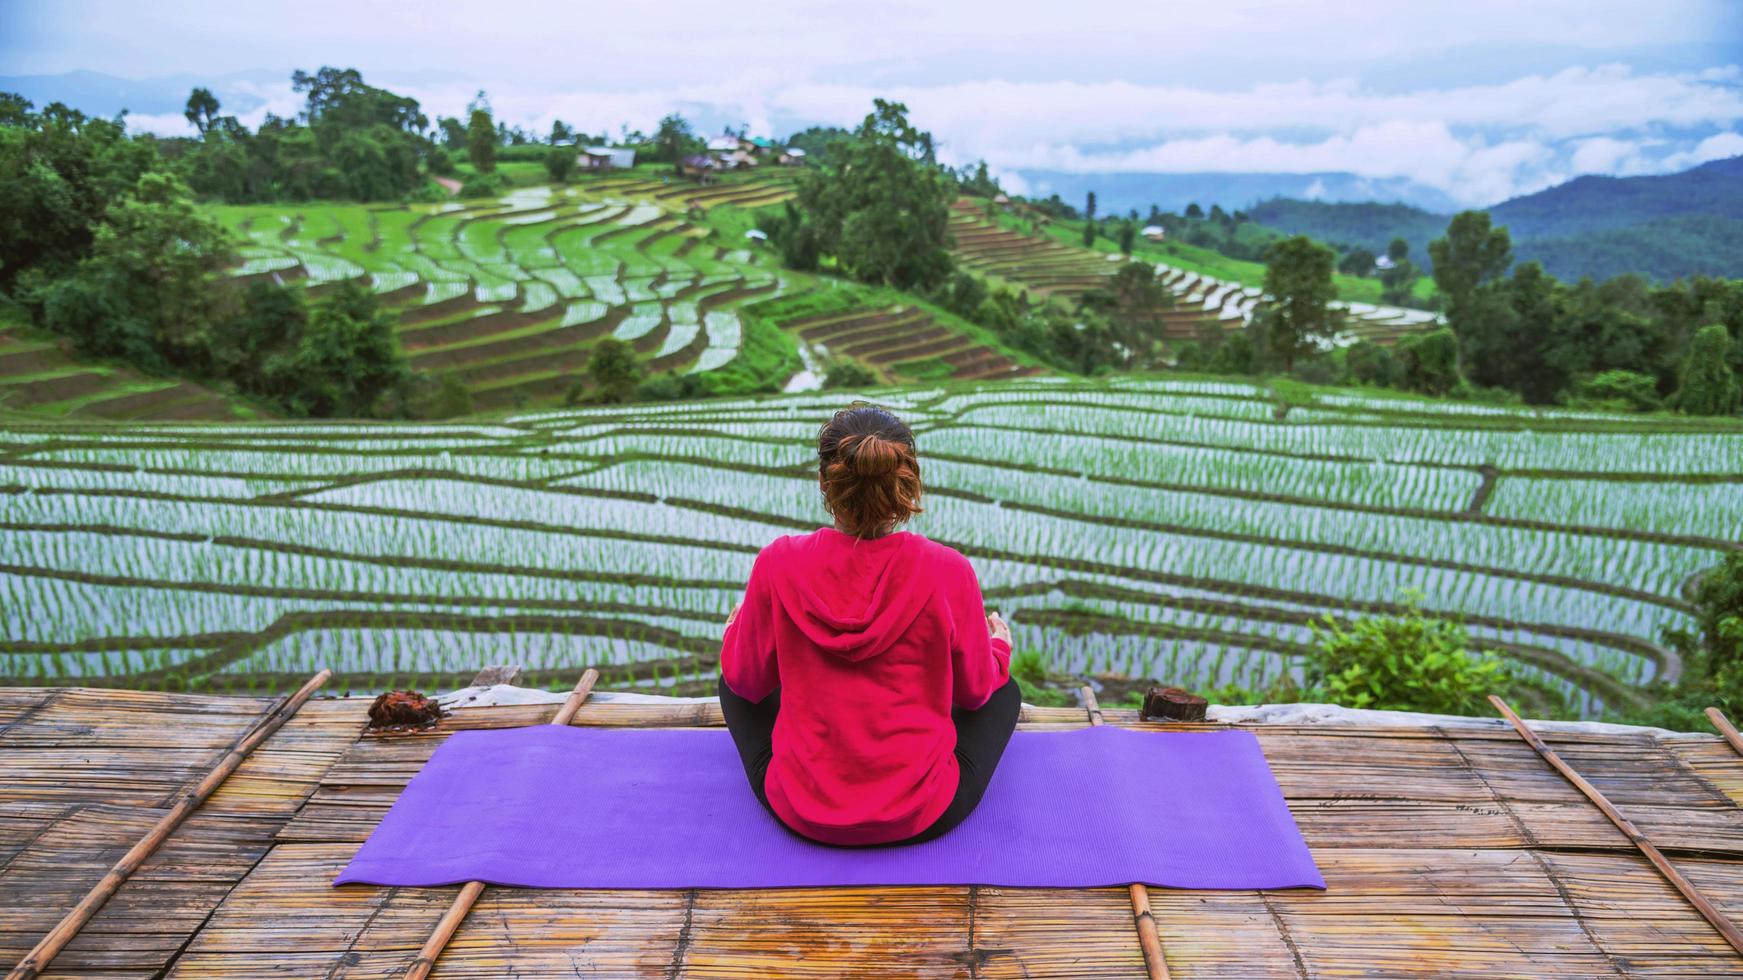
[1148, 938]
[1723, 724]
[1726, 927]
[57, 939]
[450, 921]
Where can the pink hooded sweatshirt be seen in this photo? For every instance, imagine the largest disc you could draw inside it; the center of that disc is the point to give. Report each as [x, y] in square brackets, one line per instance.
[871, 643]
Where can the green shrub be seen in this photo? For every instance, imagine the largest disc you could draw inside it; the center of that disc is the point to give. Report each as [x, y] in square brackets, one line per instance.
[614, 371]
[1429, 362]
[1628, 391]
[1707, 385]
[671, 386]
[481, 185]
[848, 374]
[1409, 662]
[1367, 363]
[560, 163]
[1029, 668]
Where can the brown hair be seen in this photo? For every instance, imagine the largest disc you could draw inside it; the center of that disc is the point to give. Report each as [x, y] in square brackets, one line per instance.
[871, 478]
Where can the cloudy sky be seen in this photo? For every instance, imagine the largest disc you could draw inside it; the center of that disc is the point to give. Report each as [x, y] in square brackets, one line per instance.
[1477, 99]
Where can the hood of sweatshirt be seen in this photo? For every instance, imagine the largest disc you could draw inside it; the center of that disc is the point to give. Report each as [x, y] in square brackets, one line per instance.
[853, 598]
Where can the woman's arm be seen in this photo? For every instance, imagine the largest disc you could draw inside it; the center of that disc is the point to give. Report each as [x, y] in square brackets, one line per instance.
[980, 648]
[747, 650]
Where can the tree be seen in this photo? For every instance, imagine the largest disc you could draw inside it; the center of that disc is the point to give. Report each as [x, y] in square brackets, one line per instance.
[614, 371]
[152, 258]
[673, 140]
[1134, 305]
[346, 359]
[1398, 283]
[1429, 362]
[60, 173]
[202, 109]
[342, 99]
[269, 322]
[1089, 221]
[1298, 294]
[1359, 262]
[481, 135]
[560, 163]
[1707, 385]
[1471, 256]
[1128, 234]
[879, 206]
[560, 132]
[453, 132]
[1193, 211]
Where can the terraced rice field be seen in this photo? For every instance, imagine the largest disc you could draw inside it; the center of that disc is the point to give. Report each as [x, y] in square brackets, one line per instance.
[511, 295]
[1159, 528]
[1041, 265]
[1047, 267]
[903, 342]
[38, 376]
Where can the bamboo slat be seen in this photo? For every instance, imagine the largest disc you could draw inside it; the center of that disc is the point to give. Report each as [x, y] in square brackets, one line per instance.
[1708, 910]
[50, 945]
[1155, 962]
[1726, 729]
[469, 892]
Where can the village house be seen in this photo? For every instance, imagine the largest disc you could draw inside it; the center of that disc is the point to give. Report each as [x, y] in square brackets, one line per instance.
[700, 167]
[602, 158]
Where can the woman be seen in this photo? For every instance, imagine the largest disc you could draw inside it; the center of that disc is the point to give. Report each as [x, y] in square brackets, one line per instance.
[868, 692]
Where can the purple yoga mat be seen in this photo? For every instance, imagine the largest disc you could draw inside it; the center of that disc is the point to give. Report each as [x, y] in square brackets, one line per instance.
[556, 807]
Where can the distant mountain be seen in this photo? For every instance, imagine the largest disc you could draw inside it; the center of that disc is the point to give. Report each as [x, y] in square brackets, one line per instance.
[1118, 193]
[1681, 224]
[1370, 226]
[1594, 203]
[1665, 249]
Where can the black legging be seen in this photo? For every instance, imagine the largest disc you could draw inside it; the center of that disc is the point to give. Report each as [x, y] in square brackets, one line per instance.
[981, 735]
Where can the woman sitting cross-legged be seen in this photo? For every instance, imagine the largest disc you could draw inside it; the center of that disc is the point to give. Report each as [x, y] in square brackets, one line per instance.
[868, 692]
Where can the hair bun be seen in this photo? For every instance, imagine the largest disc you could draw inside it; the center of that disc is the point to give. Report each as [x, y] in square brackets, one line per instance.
[871, 456]
[868, 472]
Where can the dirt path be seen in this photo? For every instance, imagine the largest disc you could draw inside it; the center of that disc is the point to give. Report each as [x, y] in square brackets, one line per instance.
[452, 185]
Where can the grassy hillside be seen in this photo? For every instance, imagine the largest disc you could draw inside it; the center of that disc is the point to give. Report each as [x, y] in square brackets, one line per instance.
[1201, 260]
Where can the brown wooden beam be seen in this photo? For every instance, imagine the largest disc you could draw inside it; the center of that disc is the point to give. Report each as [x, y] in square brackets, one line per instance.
[1155, 962]
[1708, 910]
[50, 946]
[1723, 724]
[450, 921]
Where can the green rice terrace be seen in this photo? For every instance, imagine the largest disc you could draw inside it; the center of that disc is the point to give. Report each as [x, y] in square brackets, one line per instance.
[510, 295]
[1176, 529]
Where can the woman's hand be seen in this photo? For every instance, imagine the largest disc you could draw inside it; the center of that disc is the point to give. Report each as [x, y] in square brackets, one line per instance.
[734, 614]
[996, 625]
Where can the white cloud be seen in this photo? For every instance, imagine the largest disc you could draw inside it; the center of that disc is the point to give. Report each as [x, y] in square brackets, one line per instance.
[1113, 86]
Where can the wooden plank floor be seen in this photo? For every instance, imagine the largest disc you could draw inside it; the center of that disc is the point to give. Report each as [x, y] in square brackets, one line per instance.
[1449, 853]
[84, 774]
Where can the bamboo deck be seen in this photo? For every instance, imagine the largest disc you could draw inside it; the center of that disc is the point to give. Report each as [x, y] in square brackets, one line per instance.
[1448, 852]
